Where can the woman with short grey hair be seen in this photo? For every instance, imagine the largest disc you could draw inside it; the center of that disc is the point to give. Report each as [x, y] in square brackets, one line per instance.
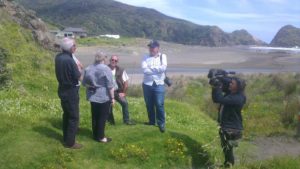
[100, 57]
[98, 81]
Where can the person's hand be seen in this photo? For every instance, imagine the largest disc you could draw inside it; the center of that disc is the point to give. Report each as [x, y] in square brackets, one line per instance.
[122, 95]
[90, 87]
[80, 67]
[113, 101]
[218, 86]
[154, 68]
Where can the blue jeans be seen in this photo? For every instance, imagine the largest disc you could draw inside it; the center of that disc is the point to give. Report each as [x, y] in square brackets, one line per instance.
[154, 97]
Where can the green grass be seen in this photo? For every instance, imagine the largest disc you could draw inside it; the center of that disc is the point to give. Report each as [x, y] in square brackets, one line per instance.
[92, 41]
[30, 122]
[31, 134]
[271, 108]
[30, 118]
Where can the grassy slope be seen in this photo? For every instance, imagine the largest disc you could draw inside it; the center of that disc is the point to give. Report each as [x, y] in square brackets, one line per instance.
[272, 101]
[93, 41]
[30, 122]
[271, 109]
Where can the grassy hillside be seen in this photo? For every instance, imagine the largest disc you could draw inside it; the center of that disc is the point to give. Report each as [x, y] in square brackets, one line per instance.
[30, 118]
[272, 101]
[30, 122]
[96, 41]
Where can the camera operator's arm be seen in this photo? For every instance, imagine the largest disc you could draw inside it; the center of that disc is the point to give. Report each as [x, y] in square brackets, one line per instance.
[216, 91]
[231, 99]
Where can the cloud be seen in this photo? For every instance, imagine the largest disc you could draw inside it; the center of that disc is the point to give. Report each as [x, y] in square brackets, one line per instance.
[281, 17]
[145, 3]
[167, 7]
[275, 1]
[228, 15]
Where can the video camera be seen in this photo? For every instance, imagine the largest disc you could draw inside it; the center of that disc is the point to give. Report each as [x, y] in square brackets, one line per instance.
[220, 77]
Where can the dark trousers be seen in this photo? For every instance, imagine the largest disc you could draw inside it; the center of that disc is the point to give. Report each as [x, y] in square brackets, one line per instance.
[226, 136]
[70, 105]
[100, 112]
[123, 102]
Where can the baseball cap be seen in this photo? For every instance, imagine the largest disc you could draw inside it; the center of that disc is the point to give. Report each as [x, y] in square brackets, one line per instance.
[153, 44]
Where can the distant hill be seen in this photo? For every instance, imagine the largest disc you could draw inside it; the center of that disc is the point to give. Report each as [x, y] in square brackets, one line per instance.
[242, 37]
[111, 17]
[287, 36]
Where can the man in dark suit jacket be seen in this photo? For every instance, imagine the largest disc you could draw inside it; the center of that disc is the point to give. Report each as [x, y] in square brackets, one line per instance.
[68, 75]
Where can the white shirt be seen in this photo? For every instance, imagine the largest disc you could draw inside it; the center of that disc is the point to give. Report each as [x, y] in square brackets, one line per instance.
[124, 78]
[75, 59]
[154, 69]
[79, 66]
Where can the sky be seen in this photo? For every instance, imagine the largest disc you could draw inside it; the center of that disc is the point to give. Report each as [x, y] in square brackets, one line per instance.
[261, 18]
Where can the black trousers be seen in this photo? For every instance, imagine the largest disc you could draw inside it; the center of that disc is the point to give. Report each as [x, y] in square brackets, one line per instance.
[70, 105]
[227, 135]
[111, 118]
[100, 112]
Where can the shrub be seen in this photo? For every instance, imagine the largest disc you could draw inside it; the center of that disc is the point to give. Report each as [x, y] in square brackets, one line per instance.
[176, 151]
[5, 74]
[292, 106]
[135, 91]
[291, 101]
[127, 151]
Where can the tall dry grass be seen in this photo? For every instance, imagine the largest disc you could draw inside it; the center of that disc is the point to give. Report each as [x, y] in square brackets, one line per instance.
[273, 100]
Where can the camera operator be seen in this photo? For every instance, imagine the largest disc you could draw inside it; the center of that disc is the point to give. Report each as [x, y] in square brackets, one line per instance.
[230, 117]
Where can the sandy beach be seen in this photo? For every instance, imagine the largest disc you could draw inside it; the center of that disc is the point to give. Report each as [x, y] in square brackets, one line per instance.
[196, 60]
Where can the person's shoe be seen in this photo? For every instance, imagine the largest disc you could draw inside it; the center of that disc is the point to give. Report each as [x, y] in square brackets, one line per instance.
[129, 123]
[149, 124]
[227, 165]
[162, 129]
[105, 140]
[75, 146]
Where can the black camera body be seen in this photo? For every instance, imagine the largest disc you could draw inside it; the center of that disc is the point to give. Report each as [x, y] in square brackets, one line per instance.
[220, 77]
[168, 81]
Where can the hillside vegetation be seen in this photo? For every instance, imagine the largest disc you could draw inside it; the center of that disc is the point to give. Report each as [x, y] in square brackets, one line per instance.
[30, 118]
[111, 17]
[30, 123]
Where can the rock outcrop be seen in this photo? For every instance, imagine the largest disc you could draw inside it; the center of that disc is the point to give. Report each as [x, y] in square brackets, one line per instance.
[28, 19]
